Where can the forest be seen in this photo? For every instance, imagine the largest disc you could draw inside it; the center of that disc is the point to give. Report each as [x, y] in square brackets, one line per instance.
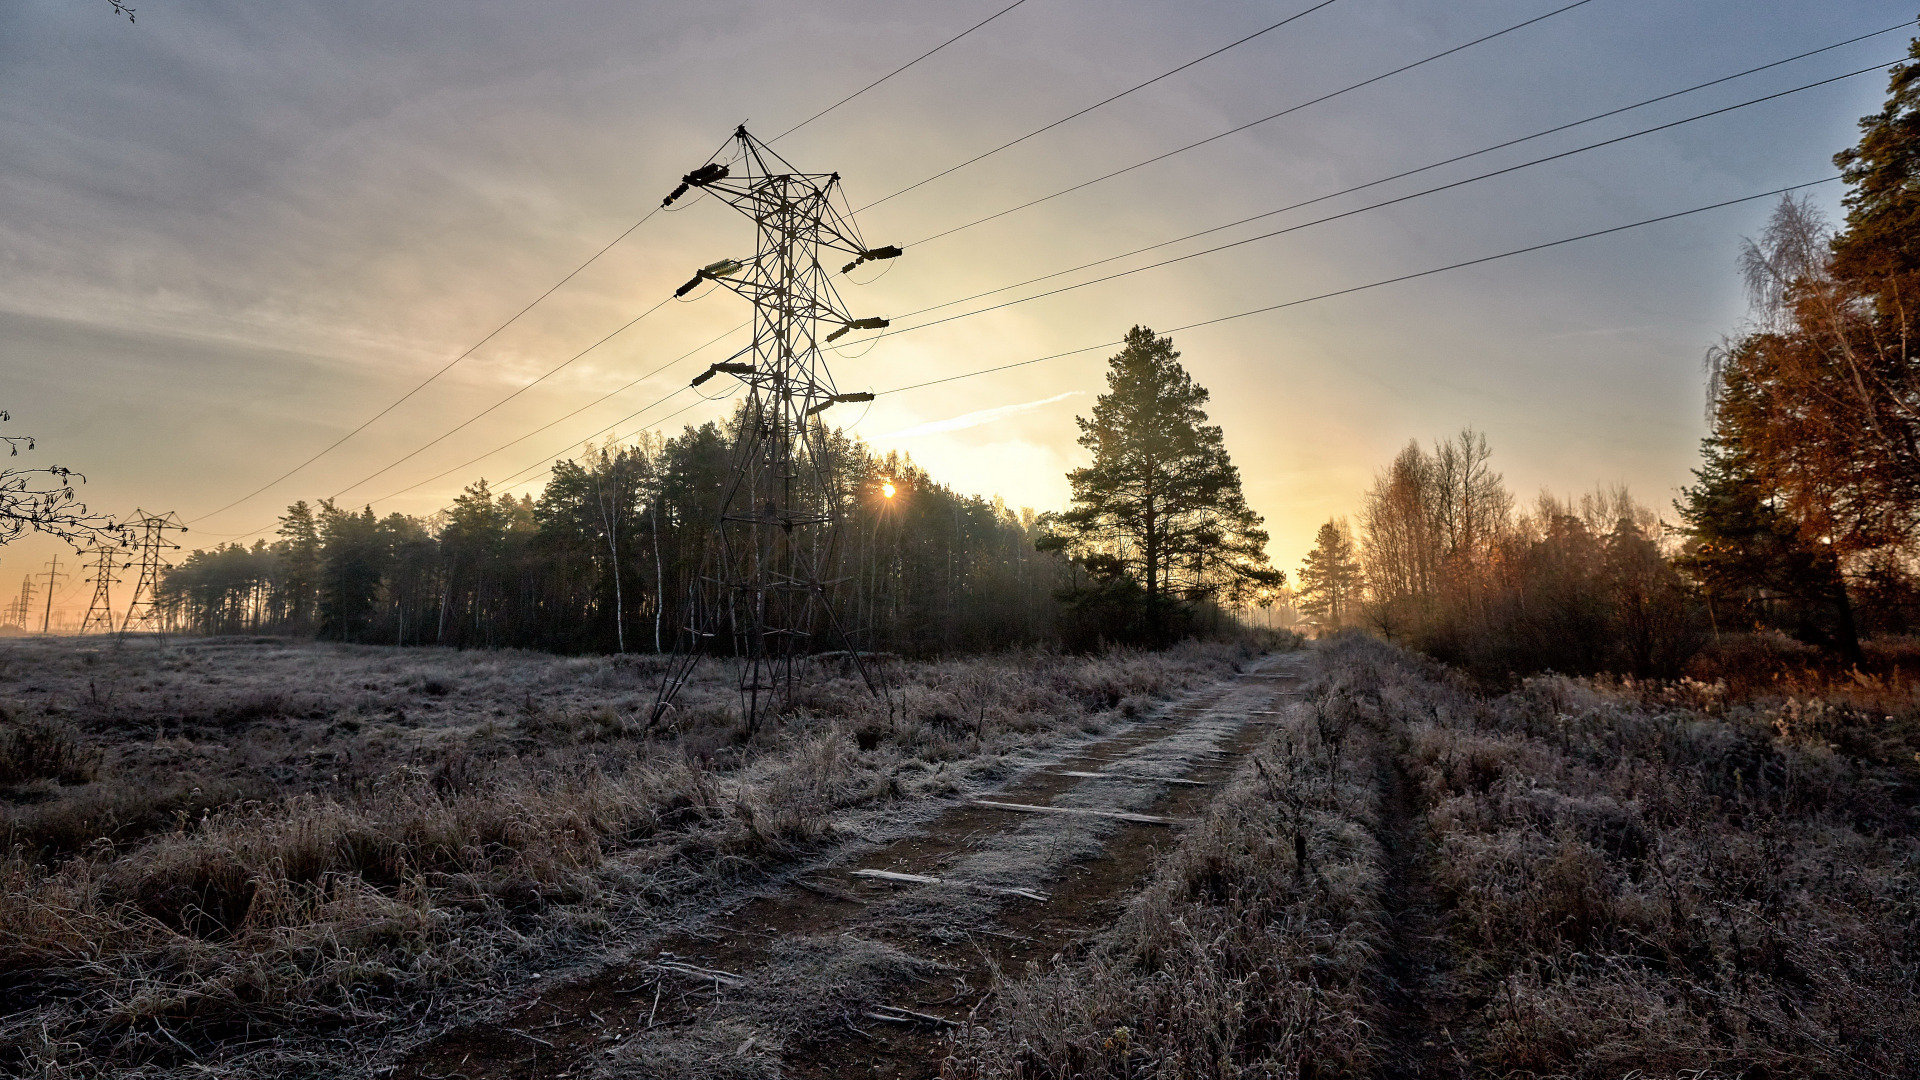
[601, 559]
[605, 558]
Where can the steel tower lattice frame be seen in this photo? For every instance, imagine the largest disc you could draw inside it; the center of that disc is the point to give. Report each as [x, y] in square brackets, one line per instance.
[100, 608]
[762, 585]
[143, 613]
[23, 604]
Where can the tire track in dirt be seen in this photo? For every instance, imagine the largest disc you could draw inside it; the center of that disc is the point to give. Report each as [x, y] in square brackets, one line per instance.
[1414, 963]
[930, 951]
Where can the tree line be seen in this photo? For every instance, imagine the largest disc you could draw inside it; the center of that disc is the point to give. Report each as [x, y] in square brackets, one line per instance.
[1159, 544]
[1804, 517]
[604, 558]
[1447, 560]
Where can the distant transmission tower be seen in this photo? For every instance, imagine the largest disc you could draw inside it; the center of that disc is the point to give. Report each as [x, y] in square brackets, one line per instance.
[22, 604]
[53, 584]
[144, 612]
[762, 583]
[107, 558]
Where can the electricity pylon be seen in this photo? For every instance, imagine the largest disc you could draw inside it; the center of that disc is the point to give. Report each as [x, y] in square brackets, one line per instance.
[144, 612]
[100, 609]
[23, 604]
[762, 583]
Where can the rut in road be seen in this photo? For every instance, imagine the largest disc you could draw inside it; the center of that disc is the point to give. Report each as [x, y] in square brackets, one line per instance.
[841, 974]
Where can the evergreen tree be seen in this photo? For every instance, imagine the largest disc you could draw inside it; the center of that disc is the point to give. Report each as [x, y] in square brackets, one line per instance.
[1161, 505]
[1752, 561]
[1330, 578]
[353, 560]
[1881, 245]
[299, 551]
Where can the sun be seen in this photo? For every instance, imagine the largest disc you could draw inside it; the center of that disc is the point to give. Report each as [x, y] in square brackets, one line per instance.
[887, 489]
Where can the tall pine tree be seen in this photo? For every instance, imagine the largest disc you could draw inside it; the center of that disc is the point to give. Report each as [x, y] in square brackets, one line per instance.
[1330, 577]
[1160, 508]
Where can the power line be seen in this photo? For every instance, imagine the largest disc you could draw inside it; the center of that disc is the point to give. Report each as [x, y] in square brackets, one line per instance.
[1375, 284]
[1108, 101]
[549, 424]
[448, 366]
[550, 372]
[896, 71]
[555, 422]
[1385, 179]
[1084, 266]
[1359, 210]
[1268, 308]
[1343, 292]
[1390, 74]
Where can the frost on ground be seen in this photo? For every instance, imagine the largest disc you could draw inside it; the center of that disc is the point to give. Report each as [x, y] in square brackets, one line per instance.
[284, 858]
[919, 943]
[1571, 880]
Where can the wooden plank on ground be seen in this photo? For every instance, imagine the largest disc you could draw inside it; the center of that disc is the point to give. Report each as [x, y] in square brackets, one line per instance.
[1132, 776]
[1111, 815]
[922, 879]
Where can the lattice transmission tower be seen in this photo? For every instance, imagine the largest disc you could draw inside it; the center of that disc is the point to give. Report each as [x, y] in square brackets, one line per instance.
[763, 589]
[22, 605]
[107, 559]
[144, 612]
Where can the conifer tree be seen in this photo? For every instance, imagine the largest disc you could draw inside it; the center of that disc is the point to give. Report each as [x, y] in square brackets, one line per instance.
[299, 552]
[1160, 507]
[1330, 577]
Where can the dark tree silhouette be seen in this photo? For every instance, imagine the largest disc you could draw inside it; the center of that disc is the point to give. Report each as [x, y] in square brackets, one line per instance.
[1811, 492]
[1330, 577]
[602, 561]
[1160, 508]
[43, 499]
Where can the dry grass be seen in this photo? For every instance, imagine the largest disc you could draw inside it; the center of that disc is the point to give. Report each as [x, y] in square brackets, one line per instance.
[1250, 951]
[282, 843]
[1570, 880]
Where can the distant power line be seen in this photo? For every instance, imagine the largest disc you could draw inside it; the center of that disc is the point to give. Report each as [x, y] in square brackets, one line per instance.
[424, 383]
[1108, 101]
[896, 71]
[1395, 176]
[1387, 75]
[1374, 284]
[1358, 210]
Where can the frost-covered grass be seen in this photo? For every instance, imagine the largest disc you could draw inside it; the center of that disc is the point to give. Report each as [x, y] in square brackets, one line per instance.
[1575, 879]
[218, 851]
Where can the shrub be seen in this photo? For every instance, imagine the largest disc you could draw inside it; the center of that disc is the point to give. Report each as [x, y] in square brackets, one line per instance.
[42, 749]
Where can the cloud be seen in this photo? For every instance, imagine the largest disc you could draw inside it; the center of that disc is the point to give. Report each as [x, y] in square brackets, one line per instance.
[975, 419]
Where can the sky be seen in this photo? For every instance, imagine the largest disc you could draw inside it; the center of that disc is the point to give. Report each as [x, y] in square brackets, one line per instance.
[231, 233]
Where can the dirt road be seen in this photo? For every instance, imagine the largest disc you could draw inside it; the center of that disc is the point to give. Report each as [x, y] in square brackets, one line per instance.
[860, 962]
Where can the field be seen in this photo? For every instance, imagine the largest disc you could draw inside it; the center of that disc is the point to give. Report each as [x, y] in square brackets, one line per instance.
[256, 857]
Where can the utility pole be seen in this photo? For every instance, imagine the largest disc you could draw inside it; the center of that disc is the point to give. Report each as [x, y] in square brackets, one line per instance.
[144, 612]
[762, 582]
[100, 609]
[53, 579]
